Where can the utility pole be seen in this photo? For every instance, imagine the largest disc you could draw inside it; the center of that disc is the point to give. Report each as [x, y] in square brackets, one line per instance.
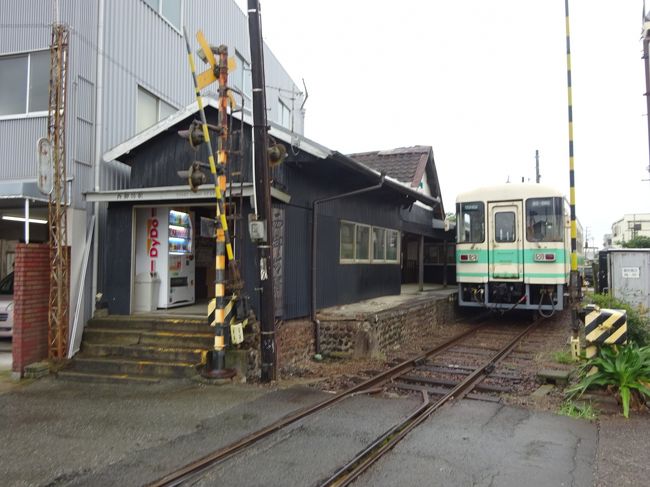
[537, 175]
[58, 313]
[646, 65]
[574, 286]
[262, 194]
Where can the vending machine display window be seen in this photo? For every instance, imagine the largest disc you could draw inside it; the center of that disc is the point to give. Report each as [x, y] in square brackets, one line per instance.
[180, 233]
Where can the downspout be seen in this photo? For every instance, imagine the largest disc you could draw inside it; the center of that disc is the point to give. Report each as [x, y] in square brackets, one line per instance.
[314, 240]
[646, 61]
[99, 90]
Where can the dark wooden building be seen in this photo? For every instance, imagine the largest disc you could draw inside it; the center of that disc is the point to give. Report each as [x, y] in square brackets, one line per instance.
[343, 225]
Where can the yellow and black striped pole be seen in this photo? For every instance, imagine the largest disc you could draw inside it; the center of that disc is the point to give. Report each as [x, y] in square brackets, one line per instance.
[574, 284]
[217, 306]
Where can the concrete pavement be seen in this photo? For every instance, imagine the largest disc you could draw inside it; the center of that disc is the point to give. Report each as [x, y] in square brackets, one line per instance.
[487, 444]
[65, 433]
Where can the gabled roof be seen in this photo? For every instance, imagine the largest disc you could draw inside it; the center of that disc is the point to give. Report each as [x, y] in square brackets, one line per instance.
[283, 135]
[406, 164]
[276, 131]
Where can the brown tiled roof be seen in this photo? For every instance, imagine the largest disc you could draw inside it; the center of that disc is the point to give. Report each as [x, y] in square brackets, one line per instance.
[406, 164]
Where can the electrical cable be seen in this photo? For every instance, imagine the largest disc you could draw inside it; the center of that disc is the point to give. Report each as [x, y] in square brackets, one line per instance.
[541, 299]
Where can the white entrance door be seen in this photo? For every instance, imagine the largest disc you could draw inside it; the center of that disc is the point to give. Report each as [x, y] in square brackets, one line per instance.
[506, 253]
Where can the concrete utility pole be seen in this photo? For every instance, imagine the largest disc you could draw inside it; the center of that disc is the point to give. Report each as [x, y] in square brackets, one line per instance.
[537, 174]
[646, 63]
[262, 194]
[574, 286]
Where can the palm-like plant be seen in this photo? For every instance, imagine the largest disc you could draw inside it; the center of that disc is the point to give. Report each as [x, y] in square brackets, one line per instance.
[626, 370]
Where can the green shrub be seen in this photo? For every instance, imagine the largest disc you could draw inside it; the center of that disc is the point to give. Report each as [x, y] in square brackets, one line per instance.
[563, 357]
[625, 371]
[638, 326]
[575, 410]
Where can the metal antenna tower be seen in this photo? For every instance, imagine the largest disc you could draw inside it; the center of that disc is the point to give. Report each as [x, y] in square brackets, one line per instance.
[58, 314]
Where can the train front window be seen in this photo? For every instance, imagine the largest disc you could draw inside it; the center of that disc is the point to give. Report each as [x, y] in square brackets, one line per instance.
[470, 222]
[544, 220]
[504, 226]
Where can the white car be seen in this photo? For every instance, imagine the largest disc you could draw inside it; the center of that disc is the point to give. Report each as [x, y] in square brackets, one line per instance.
[7, 306]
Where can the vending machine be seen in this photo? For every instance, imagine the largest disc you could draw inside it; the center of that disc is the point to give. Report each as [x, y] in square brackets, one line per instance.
[164, 242]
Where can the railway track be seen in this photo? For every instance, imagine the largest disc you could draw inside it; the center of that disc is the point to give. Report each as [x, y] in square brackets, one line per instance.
[450, 371]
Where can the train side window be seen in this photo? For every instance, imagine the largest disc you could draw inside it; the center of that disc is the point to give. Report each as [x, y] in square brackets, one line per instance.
[544, 220]
[504, 226]
[470, 222]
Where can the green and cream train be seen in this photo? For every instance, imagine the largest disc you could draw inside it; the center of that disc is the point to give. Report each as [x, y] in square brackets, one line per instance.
[513, 247]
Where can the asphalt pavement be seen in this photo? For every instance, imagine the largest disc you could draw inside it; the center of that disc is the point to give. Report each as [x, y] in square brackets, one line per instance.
[486, 444]
[66, 433]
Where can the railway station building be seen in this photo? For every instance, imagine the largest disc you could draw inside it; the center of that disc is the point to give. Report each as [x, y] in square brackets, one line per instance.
[129, 91]
[127, 69]
[345, 228]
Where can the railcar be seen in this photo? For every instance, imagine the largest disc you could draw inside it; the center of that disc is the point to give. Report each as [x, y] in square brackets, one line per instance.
[513, 247]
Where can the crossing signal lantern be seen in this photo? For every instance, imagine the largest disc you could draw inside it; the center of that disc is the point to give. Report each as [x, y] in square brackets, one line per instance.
[194, 175]
[204, 57]
[277, 153]
[194, 135]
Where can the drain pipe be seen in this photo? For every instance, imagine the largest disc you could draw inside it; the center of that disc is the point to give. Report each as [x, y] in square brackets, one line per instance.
[314, 240]
[99, 104]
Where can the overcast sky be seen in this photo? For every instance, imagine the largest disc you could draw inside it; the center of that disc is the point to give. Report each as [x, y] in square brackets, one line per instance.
[483, 83]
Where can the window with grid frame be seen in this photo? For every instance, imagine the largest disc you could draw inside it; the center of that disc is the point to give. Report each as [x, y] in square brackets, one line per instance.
[284, 114]
[24, 83]
[360, 243]
[242, 79]
[150, 110]
[170, 10]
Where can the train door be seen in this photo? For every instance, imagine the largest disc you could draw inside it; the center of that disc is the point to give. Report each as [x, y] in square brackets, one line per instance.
[506, 253]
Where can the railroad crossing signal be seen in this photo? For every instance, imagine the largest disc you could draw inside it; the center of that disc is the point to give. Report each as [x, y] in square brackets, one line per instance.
[220, 308]
[206, 53]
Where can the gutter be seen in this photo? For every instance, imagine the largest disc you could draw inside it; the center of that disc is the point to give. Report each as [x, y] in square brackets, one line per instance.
[314, 241]
[391, 183]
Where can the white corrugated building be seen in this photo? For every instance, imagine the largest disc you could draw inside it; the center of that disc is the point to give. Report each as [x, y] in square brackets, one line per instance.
[127, 70]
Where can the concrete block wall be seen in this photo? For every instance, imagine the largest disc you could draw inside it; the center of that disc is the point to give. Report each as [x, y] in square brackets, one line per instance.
[31, 296]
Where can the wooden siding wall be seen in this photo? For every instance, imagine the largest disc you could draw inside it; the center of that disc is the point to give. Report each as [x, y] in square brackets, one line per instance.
[306, 179]
[116, 263]
[157, 165]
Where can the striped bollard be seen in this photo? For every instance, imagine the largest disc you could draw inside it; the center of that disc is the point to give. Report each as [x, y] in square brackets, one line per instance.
[604, 327]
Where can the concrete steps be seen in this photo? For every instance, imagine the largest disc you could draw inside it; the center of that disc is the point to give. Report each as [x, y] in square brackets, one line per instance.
[163, 339]
[143, 352]
[136, 350]
[105, 378]
[134, 367]
[189, 325]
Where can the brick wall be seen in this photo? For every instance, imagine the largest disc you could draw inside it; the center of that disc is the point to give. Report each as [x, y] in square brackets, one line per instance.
[31, 296]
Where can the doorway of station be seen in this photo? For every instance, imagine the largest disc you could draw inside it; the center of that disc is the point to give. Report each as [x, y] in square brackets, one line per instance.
[437, 260]
[174, 270]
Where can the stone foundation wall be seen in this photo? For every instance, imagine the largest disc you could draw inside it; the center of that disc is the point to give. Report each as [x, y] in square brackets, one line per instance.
[368, 335]
[373, 334]
[295, 344]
